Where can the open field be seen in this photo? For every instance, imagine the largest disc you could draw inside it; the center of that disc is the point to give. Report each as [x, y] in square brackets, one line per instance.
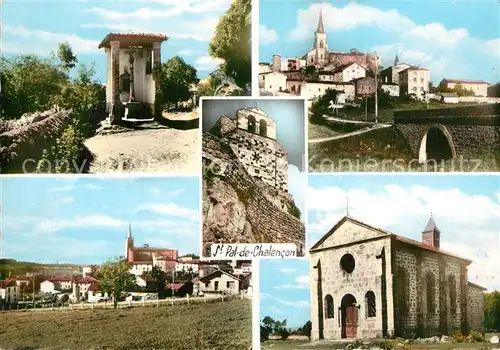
[324, 345]
[20, 268]
[222, 325]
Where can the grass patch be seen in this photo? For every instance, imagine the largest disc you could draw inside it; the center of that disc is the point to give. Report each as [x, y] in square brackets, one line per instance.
[316, 131]
[223, 325]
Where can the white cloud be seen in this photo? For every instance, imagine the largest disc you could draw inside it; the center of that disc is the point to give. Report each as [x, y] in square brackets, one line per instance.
[266, 35]
[40, 40]
[54, 225]
[297, 187]
[301, 282]
[295, 303]
[66, 200]
[460, 216]
[171, 209]
[172, 9]
[286, 270]
[207, 63]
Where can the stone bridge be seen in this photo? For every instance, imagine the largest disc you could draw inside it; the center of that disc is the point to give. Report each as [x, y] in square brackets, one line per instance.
[440, 134]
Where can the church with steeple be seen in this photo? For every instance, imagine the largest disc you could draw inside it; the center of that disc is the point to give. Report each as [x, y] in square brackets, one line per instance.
[322, 58]
[366, 282]
[142, 259]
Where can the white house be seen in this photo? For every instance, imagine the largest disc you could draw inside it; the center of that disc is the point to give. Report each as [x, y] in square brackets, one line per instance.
[391, 89]
[187, 264]
[349, 72]
[132, 59]
[139, 268]
[56, 284]
[274, 82]
[449, 97]
[479, 87]
[9, 291]
[220, 282]
[314, 90]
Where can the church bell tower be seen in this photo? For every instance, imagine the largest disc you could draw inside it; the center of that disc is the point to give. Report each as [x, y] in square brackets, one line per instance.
[431, 234]
[129, 242]
[320, 42]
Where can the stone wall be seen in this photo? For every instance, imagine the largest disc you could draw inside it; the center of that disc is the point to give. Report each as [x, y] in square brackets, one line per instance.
[475, 308]
[417, 321]
[29, 141]
[240, 208]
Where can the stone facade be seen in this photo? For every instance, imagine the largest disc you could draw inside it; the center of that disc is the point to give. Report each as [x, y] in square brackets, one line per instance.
[462, 130]
[368, 283]
[475, 312]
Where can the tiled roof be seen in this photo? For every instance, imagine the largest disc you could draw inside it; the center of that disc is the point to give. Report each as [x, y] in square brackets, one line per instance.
[153, 37]
[174, 286]
[427, 247]
[455, 81]
[7, 283]
[85, 280]
[60, 279]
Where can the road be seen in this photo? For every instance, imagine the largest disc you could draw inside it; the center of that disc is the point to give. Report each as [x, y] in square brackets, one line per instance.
[357, 132]
[160, 149]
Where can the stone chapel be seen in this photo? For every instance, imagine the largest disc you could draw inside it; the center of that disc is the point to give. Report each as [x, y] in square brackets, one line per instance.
[368, 283]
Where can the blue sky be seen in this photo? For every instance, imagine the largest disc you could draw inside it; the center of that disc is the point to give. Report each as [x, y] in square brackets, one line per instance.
[85, 220]
[289, 116]
[189, 24]
[466, 210]
[452, 38]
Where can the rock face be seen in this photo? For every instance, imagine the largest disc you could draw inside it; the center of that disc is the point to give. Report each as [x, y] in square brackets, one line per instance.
[240, 207]
[229, 89]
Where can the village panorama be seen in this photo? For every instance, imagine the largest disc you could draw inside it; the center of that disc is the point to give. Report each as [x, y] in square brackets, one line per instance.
[370, 112]
[143, 278]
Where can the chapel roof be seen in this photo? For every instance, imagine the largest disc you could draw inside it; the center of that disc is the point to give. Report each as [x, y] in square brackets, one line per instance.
[133, 39]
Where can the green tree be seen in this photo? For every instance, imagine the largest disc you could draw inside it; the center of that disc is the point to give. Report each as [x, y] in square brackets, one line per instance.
[492, 311]
[115, 278]
[66, 56]
[231, 42]
[306, 329]
[159, 277]
[30, 84]
[266, 327]
[177, 78]
[320, 107]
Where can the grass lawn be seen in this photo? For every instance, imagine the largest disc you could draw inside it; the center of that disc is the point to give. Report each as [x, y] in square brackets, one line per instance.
[221, 325]
[302, 345]
[316, 131]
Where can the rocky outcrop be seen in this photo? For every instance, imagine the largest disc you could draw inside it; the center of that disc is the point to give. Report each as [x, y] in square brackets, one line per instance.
[239, 208]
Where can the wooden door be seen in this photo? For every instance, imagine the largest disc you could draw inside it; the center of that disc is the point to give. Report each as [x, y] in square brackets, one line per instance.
[351, 321]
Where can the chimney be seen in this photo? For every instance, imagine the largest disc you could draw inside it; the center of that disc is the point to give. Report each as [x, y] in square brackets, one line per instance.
[431, 234]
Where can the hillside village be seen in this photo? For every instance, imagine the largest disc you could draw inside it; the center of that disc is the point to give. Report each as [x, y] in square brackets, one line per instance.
[158, 273]
[352, 74]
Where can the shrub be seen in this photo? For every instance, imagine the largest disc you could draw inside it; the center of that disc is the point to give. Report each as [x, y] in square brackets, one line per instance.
[65, 155]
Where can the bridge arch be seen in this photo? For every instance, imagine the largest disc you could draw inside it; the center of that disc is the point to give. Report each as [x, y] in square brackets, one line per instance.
[436, 144]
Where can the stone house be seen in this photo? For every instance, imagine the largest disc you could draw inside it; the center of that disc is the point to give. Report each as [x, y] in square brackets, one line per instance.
[475, 307]
[390, 75]
[9, 291]
[364, 86]
[368, 283]
[132, 81]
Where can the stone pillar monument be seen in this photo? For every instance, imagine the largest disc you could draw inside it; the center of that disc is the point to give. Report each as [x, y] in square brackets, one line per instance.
[115, 71]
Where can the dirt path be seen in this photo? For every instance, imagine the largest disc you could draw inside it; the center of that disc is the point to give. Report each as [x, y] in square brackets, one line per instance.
[160, 149]
[358, 132]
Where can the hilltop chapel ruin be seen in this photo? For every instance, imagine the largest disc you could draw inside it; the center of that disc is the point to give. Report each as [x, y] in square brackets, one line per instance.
[133, 63]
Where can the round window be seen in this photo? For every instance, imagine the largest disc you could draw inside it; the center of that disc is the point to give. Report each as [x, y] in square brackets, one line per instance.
[347, 263]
